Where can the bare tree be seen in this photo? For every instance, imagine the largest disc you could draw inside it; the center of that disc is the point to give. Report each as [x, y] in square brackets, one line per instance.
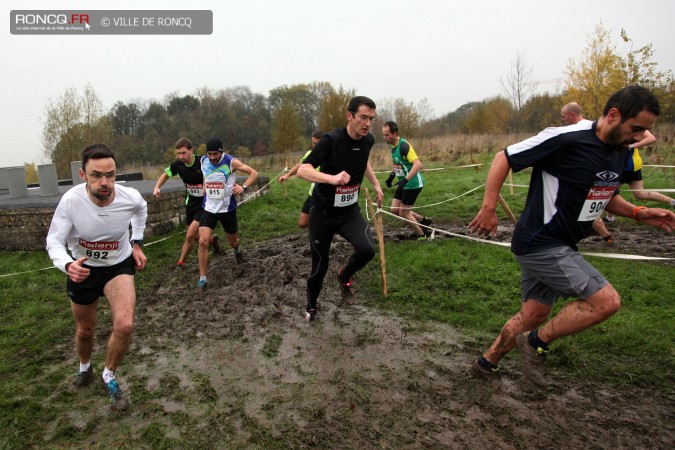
[71, 122]
[516, 84]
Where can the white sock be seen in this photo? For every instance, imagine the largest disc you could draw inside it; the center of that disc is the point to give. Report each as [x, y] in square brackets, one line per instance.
[108, 375]
[85, 367]
[672, 202]
[202, 278]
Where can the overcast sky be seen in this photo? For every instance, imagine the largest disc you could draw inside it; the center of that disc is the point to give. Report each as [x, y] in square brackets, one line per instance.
[448, 52]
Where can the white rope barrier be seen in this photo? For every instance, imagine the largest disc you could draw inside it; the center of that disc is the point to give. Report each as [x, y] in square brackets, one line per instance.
[27, 271]
[255, 194]
[438, 168]
[622, 189]
[507, 244]
[441, 202]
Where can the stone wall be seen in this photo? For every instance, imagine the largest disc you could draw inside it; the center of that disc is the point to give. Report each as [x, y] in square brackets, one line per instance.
[25, 228]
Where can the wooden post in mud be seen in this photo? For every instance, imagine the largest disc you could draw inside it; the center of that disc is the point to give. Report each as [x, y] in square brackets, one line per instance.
[511, 181]
[285, 187]
[377, 219]
[507, 210]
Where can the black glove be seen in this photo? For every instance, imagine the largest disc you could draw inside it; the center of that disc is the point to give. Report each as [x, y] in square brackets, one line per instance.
[401, 184]
[390, 179]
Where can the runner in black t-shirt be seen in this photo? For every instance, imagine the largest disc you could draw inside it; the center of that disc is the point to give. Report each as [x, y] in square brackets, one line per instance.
[343, 157]
[187, 167]
[575, 177]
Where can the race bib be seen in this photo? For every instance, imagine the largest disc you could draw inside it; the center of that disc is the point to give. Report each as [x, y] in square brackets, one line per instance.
[595, 203]
[398, 170]
[346, 195]
[101, 251]
[215, 189]
[195, 190]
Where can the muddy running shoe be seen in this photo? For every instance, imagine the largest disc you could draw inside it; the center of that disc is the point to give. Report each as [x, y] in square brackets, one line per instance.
[609, 239]
[215, 245]
[239, 257]
[84, 378]
[347, 291]
[310, 315]
[117, 402]
[426, 221]
[179, 266]
[202, 285]
[478, 371]
[420, 237]
[531, 360]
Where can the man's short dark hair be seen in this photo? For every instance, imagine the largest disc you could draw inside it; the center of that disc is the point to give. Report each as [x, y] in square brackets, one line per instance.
[318, 134]
[184, 142]
[393, 126]
[359, 100]
[97, 151]
[632, 100]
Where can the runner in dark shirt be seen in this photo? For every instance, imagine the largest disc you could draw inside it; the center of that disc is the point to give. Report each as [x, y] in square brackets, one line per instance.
[343, 157]
[575, 176]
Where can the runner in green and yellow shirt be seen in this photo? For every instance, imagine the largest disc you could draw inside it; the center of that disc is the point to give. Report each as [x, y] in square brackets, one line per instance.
[407, 168]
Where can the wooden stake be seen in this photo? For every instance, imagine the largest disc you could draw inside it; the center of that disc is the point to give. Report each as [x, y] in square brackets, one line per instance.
[507, 210]
[285, 187]
[511, 181]
[380, 237]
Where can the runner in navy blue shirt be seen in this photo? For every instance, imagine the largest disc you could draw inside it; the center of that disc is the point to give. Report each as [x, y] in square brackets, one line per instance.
[575, 177]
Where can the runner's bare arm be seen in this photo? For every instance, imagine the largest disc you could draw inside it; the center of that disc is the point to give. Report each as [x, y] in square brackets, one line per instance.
[370, 174]
[160, 182]
[307, 172]
[252, 175]
[486, 220]
[290, 173]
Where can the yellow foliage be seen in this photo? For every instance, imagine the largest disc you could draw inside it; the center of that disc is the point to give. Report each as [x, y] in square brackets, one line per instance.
[31, 172]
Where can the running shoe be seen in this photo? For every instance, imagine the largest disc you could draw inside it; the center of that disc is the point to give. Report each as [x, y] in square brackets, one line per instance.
[426, 221]
[478, 371]
[347, 291]
[202, 285]
[215, 245]
[609, 219]
[239, 257]
[117, 402]
[310, 315]
[420, 237]
[531, 360]
[84, 378]
[609, 239]
[179, 266]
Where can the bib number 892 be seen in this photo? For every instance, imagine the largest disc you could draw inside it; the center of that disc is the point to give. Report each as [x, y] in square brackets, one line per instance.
[95, 254]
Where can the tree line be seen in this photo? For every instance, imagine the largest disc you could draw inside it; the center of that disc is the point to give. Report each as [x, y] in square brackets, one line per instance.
[144, 131]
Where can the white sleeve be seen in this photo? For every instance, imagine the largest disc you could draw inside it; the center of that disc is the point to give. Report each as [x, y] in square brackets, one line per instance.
[139, 218]
[56, 238]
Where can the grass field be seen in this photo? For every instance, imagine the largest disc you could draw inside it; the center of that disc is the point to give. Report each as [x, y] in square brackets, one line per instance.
[471, 286]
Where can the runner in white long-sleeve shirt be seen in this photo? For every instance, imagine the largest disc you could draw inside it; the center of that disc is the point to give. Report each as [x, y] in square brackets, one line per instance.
[92, 222]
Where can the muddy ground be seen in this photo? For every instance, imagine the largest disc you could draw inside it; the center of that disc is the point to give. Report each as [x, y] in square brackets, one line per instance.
[359, 377]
